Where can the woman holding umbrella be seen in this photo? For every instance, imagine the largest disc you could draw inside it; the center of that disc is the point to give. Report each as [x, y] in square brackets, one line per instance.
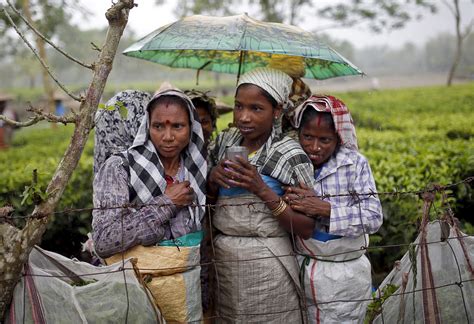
[256, 271]
[332, 260]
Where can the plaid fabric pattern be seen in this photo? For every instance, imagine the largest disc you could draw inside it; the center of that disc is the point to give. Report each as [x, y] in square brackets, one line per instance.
[147, 172]
[340, 114]
[349, 171]
[116, 230]
[281, 157]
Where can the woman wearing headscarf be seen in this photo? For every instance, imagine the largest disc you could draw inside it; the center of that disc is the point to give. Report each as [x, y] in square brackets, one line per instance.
[160, 177]
[336, 275]
[257, 274]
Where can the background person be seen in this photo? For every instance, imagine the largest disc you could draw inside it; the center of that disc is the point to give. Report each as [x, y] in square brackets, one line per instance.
[6, 130]
[207, 111]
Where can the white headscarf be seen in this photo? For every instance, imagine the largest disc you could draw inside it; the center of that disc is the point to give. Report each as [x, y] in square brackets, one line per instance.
[276, 83]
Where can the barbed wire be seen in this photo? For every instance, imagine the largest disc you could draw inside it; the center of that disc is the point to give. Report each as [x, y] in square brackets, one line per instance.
[219, 261]
[200, 264]
[418, 192]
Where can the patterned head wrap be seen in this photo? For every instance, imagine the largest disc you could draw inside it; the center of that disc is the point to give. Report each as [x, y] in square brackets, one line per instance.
[147, 175]
[276, 83]
[115, 133]
[340, 114]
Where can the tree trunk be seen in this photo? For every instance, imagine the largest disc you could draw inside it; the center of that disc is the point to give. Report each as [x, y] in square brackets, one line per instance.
[16, 244]
[47, 85]
[459, 40]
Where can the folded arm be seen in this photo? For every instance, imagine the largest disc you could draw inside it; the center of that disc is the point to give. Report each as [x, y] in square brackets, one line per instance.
[116, 228]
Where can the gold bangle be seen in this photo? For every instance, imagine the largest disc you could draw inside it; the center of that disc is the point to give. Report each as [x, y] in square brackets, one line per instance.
[280, 208]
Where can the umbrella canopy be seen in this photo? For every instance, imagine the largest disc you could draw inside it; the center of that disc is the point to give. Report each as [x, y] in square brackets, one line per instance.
[237, 44]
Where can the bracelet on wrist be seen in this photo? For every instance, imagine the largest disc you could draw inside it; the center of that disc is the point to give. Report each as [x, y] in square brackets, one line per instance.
[280, 208]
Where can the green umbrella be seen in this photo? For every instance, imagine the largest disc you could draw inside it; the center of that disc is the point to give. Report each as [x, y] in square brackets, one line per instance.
[238, 44]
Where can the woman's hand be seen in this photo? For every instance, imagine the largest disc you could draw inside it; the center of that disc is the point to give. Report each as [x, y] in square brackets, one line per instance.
[181, 193]
[241, 173]
[218, 175]
[304, 200]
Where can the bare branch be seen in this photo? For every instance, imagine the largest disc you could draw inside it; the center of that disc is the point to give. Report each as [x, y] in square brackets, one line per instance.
[45, 66]
[47, 40]
[15, 123]
[52, 117]
[114, 12]
[40, 115]
[95, 47]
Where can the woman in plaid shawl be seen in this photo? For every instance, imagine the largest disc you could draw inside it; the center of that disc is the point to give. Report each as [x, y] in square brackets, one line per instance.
[260, 282]
[344, 208]
[164, 170]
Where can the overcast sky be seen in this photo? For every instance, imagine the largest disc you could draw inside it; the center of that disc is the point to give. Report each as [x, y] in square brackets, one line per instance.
[147, 17]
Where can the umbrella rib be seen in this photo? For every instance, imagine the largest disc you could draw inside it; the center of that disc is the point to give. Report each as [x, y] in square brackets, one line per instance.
[177, 57]
[243, 35]
[309, 68]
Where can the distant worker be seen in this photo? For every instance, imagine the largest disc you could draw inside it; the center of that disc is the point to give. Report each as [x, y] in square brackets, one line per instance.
[6, 130]
[60, 110]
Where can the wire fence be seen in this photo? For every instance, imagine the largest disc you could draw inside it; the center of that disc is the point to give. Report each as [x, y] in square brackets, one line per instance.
[462, 264]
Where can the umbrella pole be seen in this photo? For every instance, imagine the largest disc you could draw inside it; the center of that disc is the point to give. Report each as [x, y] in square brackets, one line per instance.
[241, 59]
[199, 70]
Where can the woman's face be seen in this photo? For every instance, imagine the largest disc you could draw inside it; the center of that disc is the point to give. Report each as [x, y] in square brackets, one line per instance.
[319, 140]
[169, 129]
[254, 113]
[206, 122]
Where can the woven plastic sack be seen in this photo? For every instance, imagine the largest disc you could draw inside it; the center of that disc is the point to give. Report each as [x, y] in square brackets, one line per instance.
[56, 289]
[434, 282]
[173, 276]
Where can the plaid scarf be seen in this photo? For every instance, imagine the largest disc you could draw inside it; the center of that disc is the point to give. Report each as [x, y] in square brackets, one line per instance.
[147, 172]
[281, 157]
[340, 114]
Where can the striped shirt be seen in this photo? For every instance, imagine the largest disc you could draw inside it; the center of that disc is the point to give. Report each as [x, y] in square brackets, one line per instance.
[351, 215]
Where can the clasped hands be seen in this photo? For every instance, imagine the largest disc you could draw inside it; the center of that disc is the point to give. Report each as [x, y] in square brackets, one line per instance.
[303, 199]
[180, 193]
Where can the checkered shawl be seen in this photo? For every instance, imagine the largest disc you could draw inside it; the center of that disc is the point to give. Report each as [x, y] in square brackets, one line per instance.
[340, 114]
[147, 172]
[281, 157]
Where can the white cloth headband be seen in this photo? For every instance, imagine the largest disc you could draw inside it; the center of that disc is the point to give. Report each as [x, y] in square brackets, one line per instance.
[276, 83]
